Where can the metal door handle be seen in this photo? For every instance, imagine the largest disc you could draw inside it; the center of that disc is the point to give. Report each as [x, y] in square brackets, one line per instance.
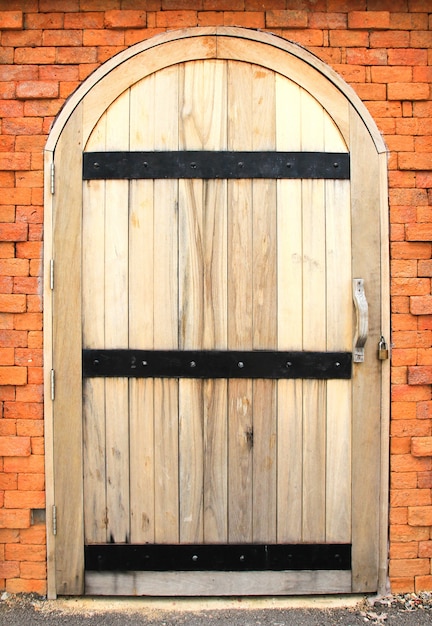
[361, 306]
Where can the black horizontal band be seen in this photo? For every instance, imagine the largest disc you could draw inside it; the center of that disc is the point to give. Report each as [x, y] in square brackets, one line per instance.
[215, 364]
[238, 557]
[213, 164]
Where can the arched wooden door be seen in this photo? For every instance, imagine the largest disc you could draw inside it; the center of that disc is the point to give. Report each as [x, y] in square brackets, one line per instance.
[226, 218]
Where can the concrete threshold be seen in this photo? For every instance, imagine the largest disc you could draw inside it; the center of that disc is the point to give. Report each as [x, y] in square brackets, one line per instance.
[143, 604]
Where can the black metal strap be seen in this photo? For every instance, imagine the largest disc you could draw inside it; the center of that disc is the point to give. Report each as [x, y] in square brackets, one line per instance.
[215, 364]
[129, 557]
[214, 164]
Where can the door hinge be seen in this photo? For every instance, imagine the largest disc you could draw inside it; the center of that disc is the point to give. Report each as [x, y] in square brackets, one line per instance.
[52, 384]
[52, 274]
[54, 519]
[52, 178]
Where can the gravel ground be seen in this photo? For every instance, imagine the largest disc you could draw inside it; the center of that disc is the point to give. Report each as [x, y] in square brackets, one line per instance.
[406, 610]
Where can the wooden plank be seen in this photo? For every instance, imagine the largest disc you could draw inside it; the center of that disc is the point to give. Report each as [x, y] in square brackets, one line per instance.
[240, 319]
[93, 329]
[191, 461]
[314, 329]
[366, 380]
[202, 284]
[264, 311]
[67, 346]
[116, 329]
[290, 318]
[141, 314]
[215, 411]
[217, 583]
[339, 335]
[165, 281]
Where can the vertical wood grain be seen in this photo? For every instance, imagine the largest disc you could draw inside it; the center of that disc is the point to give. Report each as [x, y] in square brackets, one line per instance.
[165, 281]
[289, 318]
[117, 328]
[93, 332]
[240, 319]
[141, 317]
[314, 328]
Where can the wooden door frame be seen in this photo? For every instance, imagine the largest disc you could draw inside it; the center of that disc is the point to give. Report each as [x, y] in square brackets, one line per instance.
[62, 268]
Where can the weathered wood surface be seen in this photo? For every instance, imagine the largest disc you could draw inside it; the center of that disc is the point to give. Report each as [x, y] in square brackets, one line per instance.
[217, 583]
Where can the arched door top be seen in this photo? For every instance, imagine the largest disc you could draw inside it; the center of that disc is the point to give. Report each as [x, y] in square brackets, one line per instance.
[102, 87]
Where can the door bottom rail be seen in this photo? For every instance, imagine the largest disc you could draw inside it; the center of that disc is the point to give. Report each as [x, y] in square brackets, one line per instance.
[217, 557]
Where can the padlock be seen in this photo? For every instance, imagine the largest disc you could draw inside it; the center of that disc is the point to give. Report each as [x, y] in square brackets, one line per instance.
[383, 352]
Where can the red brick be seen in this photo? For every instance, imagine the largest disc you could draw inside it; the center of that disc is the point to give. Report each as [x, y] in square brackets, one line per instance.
[246, 20]
[43, 21]
[407, 56]
[410, 250]
[126, 19]
[62, 5]
[389, 39]
[410, 428]
[31, 482]
[71, 55]
[402, 584]
[14, 518]
[28, 56]
[31, 428]
[403, 532]
[25, 552]
[34, 464]
[410, 286]
[363, 56]
[408, 91]
[21, 585]
[14, 446]
[286, 19]
[36, 535]
[421, 446]
[420, 516]
[25, 499]
[8, 428]
[423, 583]
[9, 569]
[424, 268]
[11, 20]
[403, 480]
[408, 550]
[399, 463]
[424, 480]
[13, 303]
[407, 497]
[425, 549]
[424, 409]
[369, 19]
[32, 570]
[37, 89]
[8, 481]
[351, 39]
[419, 305]
[413, 161]
[407, 567]
[420, 375]
[13, 375]
[94, 20]
[23, 410]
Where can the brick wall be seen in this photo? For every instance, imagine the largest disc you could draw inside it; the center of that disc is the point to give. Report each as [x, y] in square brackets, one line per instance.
[383, 48]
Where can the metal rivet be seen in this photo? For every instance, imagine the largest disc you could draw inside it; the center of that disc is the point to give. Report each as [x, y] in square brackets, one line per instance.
[242, 558]
[96, 362]
[194, 558]
[192, 364]
[96, 166]
[145, 363]
[240, 364]
[288, 364]
[335, 164]
[145, 164]
[193, 165]
[337, 364]
[289, 164]
[240, 164]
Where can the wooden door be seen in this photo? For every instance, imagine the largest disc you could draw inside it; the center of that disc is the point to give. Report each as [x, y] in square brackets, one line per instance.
[220, 428]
